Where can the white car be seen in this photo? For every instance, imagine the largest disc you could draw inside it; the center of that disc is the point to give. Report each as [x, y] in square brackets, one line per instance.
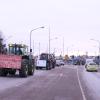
[62, 62]
[59, 62]
[91, 66]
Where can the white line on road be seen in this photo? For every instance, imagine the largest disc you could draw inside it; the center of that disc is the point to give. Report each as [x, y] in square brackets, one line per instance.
[61, 74]
[84, 97]
[71, 67]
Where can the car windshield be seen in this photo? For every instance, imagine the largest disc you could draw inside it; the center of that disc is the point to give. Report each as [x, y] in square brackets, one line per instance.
[44, 56]
[17, 50]
[92, 64]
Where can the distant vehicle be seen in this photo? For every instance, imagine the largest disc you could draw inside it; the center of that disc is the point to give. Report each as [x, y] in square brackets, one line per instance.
[78, 60]
[91, 66]
[59, 62]
[97, 60]
[62, 62]
[69, 62]
[46, 61]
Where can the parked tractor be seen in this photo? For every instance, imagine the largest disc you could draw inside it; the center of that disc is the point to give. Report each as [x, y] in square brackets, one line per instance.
[17, 59]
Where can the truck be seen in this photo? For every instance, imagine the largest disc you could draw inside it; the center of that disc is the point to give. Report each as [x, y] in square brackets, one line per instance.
[46, 61]
[17, 59]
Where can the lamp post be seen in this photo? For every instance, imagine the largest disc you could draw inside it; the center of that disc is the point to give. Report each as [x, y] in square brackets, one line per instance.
[99, 45]
[50, 43]
[67, 50]
[99, 49]
[50, 40]
[63, 46]
[39, 48]
[31, 36]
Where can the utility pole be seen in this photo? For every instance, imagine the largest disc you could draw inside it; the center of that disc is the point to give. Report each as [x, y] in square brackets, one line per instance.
[98, 48]
[33, 47]
[49, 39]
[63, 46]
[39, 48]
[31, 36]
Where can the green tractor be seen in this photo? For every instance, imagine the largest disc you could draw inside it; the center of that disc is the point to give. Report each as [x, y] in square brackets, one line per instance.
[17, 58]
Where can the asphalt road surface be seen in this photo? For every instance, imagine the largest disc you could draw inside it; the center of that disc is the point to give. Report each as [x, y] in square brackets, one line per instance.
[62, 83]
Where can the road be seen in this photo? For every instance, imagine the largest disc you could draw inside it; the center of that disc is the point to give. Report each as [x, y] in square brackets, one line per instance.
[62, 83]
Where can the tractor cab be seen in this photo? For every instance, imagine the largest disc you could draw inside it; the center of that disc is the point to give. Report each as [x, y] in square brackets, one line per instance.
[18, 49]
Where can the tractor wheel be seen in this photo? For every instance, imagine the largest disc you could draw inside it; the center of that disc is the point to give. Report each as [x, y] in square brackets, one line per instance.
[48, 66]
[53, 65]
[31, 69]
[23, 72]
[12, 71]
[37, 68]
[3, 72]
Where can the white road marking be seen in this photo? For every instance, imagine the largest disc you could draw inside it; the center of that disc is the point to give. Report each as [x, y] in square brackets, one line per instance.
[71, 67]
[83, 95]
[61, 74]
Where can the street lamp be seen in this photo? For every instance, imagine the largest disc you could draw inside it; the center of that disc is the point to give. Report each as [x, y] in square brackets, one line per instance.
[99, 45]
[39, 48]
[99, 49]
[50, 39]
[63, 46]
[31, 36]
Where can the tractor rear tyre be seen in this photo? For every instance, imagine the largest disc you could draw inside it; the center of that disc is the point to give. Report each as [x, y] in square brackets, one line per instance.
[31, 70]
[48, 66]
[12, 71]
[3, 72]
[23, 72]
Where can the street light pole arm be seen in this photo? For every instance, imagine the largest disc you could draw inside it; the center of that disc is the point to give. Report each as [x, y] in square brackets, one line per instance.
[98, 43]
[95, 40]
[36, 29]
[31, 35]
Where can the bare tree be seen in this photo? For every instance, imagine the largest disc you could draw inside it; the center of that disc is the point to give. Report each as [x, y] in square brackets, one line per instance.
[2, 45]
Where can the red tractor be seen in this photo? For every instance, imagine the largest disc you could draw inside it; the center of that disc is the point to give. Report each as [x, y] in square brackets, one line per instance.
[17, 59]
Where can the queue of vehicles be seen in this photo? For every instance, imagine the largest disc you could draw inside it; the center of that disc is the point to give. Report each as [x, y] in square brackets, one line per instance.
[90, 63]
[17, 58]
[48, 61]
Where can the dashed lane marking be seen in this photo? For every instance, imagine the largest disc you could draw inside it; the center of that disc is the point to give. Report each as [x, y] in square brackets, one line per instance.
[61, 74]
[83, 95]
[71, 67]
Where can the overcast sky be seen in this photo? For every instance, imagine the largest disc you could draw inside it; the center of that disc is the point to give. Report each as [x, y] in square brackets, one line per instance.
[76, 20]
